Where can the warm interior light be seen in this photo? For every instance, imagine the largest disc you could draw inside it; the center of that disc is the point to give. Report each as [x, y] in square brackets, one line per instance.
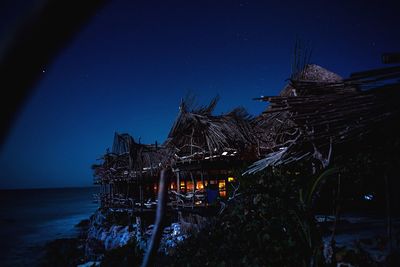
[222, 188]
[221, 184]
[231, 179]
[199, 185]
[190, 186]
[182, 185]
[172, 186]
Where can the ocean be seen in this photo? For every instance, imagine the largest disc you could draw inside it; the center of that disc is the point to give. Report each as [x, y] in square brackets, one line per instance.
[31, 218]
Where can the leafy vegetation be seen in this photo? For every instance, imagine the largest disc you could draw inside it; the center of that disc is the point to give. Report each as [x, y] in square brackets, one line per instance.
[128, 255]
[266, 226]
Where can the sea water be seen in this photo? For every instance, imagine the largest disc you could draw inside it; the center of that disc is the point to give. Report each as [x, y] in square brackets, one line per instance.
[31, 218]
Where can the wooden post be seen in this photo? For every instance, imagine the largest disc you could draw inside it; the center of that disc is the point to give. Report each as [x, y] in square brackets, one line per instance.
[194, 187]
[127, 191]
[226, 186]
[192, 178]
[141, 193]
[178, 182]
[204, 186]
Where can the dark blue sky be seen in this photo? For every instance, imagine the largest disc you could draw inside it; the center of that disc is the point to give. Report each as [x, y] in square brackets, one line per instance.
[130, 66]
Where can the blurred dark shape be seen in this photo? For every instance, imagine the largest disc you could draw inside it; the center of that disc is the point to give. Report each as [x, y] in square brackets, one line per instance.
[212, 195]
[151, 253]
[391, 58]
[33, 46]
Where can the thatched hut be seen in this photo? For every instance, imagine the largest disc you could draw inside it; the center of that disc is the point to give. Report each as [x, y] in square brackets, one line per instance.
[128, 174]
[316, 117]
[203, 150]
[206, 148]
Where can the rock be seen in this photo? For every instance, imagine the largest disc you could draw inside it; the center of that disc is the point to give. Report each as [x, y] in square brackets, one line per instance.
[83, 224]
[149, 232]
[90, 264]
[117, 236]
[176, 229]
[103, 235]
[62, 252]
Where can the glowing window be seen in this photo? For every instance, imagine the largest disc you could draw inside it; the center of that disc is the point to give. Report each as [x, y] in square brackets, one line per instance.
[199, 185]
[182, 185]
[231, 179]
[222, 188]
[221, 184]
[173, 186]
[190, 186]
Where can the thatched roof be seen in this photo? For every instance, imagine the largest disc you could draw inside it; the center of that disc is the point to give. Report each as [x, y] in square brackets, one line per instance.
[198, 133]
[122, 143]
[311, 73]
[314, 114]
[275, 126]
[130, 159]
[323, 114]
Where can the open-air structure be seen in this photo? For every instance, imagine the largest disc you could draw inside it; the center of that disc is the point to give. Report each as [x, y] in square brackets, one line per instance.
[204, 152]
[128, 173]
[207, 150]
[316, 116]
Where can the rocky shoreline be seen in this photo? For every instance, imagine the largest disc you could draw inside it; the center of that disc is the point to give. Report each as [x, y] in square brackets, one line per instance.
[112, 238]
[66, 251]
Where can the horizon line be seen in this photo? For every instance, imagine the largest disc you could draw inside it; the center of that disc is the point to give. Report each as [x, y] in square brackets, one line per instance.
[44, 188]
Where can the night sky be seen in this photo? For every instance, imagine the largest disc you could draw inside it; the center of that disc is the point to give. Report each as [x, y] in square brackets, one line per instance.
[128, 69]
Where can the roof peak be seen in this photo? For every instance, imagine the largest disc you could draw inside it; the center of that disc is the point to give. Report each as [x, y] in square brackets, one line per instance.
[314, 72]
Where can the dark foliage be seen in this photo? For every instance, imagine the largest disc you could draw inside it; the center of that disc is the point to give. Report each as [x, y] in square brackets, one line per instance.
[128, 255]
[63, 252]
[267, 226]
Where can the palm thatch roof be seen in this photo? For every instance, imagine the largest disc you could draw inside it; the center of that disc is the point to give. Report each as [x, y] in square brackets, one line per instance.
[311, 73]
[319, 111]
[199, 134]
[129, 159]
[275, 126]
